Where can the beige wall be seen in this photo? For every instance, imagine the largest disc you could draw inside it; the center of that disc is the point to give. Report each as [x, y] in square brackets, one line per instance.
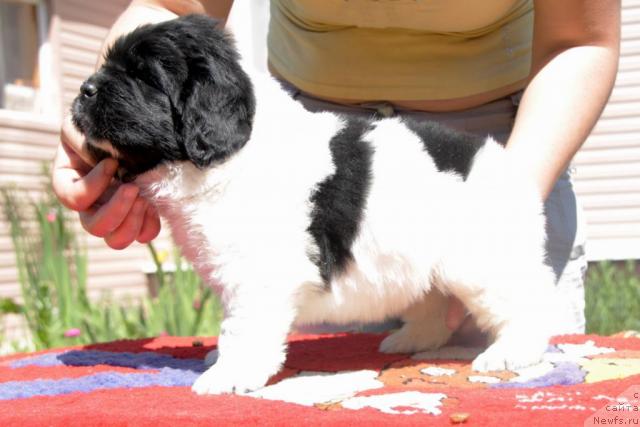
[607, 169]
[24, 144]
[82, 27]
[26, 140]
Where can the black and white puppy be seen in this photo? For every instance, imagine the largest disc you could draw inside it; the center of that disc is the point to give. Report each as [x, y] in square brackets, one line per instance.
[300, 218]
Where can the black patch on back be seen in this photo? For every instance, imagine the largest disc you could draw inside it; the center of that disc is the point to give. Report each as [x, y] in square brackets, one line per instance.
[451, 150]
[339, 201]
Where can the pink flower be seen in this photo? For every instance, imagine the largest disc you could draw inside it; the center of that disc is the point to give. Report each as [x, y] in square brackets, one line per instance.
[52, 215]
[197, 304]
[163, 334]
[71, 333]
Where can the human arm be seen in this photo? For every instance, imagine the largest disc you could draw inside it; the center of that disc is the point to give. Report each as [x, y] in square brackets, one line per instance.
[109, 209]
[574, 64]
[140, 12]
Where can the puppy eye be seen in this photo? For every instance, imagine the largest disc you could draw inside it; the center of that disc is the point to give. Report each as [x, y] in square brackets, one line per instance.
[140, 73]
[148, 83]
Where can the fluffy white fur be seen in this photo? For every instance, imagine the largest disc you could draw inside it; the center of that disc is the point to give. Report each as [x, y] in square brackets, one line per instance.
[424, 235]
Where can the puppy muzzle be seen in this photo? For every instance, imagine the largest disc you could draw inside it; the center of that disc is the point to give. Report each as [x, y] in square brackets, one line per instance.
[101, 150]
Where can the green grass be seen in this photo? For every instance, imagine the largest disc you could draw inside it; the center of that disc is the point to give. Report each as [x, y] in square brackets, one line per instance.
[51, 266]
[612, 297]
[52, 270]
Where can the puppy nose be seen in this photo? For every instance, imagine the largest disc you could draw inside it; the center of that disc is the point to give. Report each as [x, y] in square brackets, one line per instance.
[88, 89]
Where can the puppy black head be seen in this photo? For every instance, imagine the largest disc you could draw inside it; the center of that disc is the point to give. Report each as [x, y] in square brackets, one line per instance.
[167, 92]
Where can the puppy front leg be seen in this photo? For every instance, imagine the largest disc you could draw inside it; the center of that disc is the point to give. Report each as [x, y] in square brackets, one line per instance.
[252, 343]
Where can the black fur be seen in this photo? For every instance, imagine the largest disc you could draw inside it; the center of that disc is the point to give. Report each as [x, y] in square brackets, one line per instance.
[339, 201]
[451, 150]
[167, 92]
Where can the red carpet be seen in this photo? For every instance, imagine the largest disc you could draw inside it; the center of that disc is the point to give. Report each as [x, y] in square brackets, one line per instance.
[327, 380]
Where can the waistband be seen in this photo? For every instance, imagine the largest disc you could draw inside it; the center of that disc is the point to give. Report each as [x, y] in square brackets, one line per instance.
[383, 109]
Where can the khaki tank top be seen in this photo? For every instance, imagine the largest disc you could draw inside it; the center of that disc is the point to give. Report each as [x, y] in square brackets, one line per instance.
[400, 49]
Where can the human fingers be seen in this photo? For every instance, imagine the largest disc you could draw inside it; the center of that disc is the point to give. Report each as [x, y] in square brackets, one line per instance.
[78, 189]
[129, 229]
[75, 145]
[76, 179]
[469, 334]
[150, 225]
[102, 219]
[456, 314]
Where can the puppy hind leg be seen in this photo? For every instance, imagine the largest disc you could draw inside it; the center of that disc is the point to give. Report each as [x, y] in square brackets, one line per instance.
[424, 326]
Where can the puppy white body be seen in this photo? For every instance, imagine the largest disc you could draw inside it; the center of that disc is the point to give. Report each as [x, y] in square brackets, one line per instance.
[244, 226]
[301, 217]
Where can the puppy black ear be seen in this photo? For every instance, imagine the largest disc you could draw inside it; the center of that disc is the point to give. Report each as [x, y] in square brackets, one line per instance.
[218, 100]
[216, 119]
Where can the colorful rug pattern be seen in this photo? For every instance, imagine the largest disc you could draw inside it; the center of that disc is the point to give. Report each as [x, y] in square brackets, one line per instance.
[337, 379]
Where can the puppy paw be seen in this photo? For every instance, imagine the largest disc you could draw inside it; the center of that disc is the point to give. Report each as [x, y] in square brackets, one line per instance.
[410, 339]
[235, 373]
[503, 356]
[224, 379]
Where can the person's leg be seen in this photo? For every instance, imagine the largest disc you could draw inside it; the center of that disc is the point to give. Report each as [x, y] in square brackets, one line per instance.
[566, 249]
[316, 105]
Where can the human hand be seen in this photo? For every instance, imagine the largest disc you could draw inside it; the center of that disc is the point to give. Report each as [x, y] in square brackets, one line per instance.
[464, 328]
[108, 209]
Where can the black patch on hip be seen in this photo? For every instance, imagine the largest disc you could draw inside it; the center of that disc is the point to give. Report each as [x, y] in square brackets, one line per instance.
[338, 201]
[451, 150]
